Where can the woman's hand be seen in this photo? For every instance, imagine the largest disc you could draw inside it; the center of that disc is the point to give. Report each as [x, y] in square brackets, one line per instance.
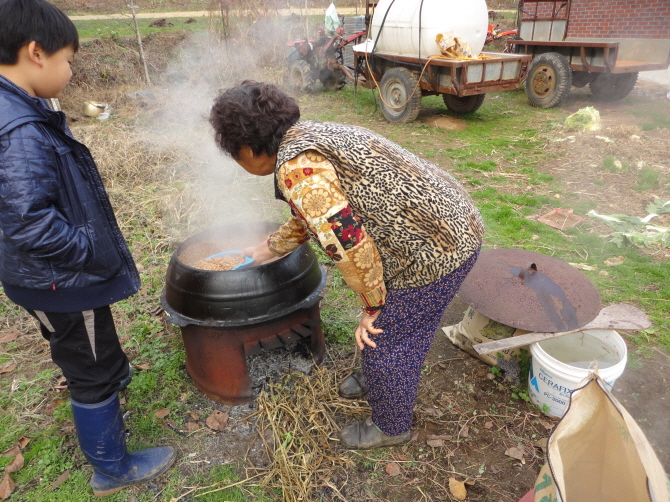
[366, 328]
[260, 253]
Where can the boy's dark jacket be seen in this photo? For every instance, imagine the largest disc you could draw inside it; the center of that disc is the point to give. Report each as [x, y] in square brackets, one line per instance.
[61, 249]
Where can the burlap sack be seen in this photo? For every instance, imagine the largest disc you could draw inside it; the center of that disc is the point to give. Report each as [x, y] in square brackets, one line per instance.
[476, 328]
[454, 47]
[597, 452]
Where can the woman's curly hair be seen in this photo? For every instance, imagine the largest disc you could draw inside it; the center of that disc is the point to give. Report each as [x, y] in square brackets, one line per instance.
[254, 114]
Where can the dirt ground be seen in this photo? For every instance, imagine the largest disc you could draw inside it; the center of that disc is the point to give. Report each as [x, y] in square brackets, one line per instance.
[467, 418]
[460, 400]
[474, 414]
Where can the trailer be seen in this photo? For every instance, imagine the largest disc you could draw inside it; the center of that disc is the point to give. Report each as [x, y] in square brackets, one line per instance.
[403, 80]
[600, 43]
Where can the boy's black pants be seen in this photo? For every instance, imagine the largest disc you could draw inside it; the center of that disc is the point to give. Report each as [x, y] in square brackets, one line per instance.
[86, 348]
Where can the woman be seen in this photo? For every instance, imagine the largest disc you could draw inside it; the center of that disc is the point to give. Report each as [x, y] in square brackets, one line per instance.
[402, 231]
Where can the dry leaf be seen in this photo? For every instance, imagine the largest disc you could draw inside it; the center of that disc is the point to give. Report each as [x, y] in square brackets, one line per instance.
[12, 452]
[584, 266]
[142, 367]
[16, 464]
[49, 408]
[194, 415]
[191, 426]
[488, 425]
[431, 412]
[7, 367]
[403, 458]
[414, 436]
[217, 420]
[23, 442]
[435, 443]
[392, 469]
[6, 487]
[446, 437]
[9, 338]
[611, 262]
[542, 444]
[514, 453]
[465, 431]
[547, 425]
[162, 413]
[457, 489]
[61, 479]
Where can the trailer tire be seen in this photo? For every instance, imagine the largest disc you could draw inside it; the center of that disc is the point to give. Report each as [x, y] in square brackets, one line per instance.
[583, 78]
[300, 78]
[612, 86]
[465, 104]
[399, 87]
[549, 80]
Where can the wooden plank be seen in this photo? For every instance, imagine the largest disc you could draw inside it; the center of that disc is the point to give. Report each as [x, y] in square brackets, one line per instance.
[606, 45]
[617, 316]
[623, 66]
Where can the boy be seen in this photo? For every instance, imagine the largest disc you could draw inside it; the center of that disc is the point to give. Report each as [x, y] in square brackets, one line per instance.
[62, 255]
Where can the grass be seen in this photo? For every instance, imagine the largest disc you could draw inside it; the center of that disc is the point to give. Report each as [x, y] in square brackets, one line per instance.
[84, 7]
[494, 153]
[115, 29]
[649, 178]
[497, 156]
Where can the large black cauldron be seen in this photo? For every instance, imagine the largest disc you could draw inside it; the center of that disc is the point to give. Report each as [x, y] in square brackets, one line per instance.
[250, 295]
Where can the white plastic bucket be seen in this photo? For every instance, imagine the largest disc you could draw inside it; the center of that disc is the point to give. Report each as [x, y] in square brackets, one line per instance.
[558, 365]
[399, 22]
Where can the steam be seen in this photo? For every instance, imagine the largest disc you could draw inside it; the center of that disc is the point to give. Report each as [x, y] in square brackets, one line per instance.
[210, 189]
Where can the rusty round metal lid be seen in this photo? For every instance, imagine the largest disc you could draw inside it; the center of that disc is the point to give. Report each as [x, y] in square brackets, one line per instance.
[530, 291]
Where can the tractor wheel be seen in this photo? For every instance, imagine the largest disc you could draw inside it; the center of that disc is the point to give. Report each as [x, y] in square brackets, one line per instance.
[549, 80]
[401, 95]
[466, 104]
[292, 55]
[333, 81]
[613, 86]
[301, 78]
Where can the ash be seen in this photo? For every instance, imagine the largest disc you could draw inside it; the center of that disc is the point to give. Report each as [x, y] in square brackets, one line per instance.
[271, 365]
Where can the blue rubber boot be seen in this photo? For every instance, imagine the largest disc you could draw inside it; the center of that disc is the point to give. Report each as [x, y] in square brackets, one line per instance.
[102, 439]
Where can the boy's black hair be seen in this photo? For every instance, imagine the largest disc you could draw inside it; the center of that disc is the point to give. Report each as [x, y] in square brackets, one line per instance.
[22, 21]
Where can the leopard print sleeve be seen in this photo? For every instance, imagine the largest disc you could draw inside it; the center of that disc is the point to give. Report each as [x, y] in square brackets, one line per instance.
[310, 185]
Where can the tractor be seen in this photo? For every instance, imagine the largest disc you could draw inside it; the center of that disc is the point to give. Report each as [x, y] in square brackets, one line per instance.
[321, 59]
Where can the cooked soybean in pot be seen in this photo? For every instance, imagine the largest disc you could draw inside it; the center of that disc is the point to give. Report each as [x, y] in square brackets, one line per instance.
[225, 262]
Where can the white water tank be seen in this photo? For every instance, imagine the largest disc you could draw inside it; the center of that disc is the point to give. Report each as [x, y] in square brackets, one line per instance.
[399, 21]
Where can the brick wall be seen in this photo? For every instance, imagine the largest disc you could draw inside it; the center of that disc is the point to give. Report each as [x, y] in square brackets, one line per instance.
[610, 18]
[543, 10]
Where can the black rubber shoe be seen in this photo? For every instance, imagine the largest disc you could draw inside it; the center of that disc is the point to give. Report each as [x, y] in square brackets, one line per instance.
[365, 434]
[353, 387]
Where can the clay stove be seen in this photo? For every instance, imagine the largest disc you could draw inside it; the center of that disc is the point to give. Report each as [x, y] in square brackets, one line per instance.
[227, 315]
